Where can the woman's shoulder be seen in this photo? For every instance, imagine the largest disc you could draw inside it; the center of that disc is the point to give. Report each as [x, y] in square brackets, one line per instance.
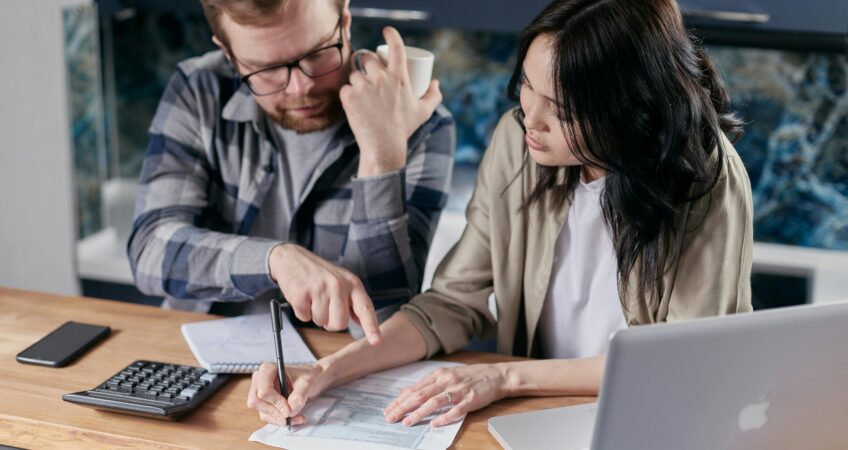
[506, 152]
[733, 170]
[731, 192]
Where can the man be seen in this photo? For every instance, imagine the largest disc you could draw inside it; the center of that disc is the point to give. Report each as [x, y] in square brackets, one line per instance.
[266, 171]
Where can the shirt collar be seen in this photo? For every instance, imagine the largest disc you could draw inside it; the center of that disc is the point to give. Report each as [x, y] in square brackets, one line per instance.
[242, 107]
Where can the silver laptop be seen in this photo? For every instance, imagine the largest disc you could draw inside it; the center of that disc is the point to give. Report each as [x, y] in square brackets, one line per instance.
[775, 379]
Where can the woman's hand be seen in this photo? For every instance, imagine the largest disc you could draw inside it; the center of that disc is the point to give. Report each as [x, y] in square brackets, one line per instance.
[469, 387]
[304, 383]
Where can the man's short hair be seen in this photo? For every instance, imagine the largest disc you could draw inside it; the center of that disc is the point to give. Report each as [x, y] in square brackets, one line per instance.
[244, 12]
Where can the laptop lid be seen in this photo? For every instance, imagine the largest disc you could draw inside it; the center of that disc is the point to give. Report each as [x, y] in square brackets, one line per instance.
[764, 380]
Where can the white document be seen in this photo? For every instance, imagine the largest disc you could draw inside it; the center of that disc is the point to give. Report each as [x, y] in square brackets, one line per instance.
[351, 417]
[242, 344]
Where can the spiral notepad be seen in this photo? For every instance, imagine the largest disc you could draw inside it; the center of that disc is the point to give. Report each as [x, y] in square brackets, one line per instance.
[242, 344]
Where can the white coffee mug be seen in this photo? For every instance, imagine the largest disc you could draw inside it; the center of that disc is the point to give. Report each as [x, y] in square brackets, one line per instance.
[419, 64]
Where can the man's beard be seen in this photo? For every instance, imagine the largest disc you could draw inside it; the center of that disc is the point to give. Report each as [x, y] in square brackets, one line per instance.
[331, 113]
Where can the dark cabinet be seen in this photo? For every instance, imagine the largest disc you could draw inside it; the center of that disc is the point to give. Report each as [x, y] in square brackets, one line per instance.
[486, 15]
[797, 16]
[808, 16]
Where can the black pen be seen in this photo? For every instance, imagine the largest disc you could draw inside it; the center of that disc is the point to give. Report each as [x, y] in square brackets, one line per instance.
[276, 324]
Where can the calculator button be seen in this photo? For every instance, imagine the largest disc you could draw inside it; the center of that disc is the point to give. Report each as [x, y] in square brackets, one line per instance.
[188, 394]
[208, 377]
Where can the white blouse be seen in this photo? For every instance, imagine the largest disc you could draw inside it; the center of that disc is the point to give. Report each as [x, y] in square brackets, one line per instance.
[582, 307]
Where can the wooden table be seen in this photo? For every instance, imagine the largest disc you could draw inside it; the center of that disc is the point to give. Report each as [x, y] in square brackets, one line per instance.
[33, 415]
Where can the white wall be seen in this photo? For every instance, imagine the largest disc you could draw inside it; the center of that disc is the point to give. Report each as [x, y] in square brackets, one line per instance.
[37, 218]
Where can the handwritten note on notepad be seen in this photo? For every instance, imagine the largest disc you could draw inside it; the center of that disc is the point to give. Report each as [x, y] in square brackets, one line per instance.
[242, 344]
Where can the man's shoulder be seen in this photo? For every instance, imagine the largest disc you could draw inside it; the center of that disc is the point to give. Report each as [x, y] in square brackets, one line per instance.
[212, 64]
[209, 78]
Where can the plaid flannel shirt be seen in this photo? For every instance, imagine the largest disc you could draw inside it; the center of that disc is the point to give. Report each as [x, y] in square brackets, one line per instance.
[209, 167]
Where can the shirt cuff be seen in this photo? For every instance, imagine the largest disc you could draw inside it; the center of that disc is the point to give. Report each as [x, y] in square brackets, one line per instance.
[379, 198]
[420, 323]
[250, 269]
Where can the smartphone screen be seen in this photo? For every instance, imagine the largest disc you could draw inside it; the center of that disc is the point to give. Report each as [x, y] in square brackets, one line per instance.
[63, 344]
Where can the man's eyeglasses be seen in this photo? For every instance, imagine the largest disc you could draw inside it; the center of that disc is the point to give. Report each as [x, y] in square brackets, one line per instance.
[273, 79]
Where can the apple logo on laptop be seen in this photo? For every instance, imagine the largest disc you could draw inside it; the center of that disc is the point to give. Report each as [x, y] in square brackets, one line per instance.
[753, 416]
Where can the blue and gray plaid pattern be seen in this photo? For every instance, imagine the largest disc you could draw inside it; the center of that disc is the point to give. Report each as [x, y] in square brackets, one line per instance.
[209, 167]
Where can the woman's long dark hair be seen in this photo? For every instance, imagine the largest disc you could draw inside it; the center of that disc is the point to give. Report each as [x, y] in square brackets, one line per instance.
[650, 108]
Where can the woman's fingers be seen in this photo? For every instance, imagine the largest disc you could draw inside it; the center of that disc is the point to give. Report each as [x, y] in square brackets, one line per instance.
[298, 420]
[269, 397]
[272, 418]
[402, 396]
[265, 398]
[406, 392]
[453, 414]
[276, 419]
[416, 399]
[432, 405]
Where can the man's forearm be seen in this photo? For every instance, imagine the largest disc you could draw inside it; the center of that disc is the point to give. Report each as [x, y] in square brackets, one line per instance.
[380, 242]
[164, 253]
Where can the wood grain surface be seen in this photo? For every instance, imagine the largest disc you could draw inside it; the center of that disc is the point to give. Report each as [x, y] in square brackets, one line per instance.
[33, 415]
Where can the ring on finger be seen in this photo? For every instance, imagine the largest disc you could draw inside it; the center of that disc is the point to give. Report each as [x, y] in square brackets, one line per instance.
[447, 394]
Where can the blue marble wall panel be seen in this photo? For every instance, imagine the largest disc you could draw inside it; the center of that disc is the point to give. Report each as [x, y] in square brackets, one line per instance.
[80, 28]
[796, 141]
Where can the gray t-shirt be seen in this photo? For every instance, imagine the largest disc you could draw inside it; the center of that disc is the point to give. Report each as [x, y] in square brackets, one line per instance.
[298, 159]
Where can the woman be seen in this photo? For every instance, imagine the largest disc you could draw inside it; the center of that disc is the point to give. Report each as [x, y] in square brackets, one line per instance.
[611, 198]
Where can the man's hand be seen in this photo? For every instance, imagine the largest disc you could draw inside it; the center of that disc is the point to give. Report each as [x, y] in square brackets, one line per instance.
[322, 292]
[382, 110]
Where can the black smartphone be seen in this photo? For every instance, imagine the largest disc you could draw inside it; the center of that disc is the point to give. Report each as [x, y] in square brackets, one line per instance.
[64, 344]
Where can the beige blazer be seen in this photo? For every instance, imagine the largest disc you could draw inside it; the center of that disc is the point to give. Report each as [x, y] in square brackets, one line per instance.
[510, 252]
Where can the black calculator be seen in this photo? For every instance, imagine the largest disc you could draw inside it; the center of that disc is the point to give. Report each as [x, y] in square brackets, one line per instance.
[152, 389]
